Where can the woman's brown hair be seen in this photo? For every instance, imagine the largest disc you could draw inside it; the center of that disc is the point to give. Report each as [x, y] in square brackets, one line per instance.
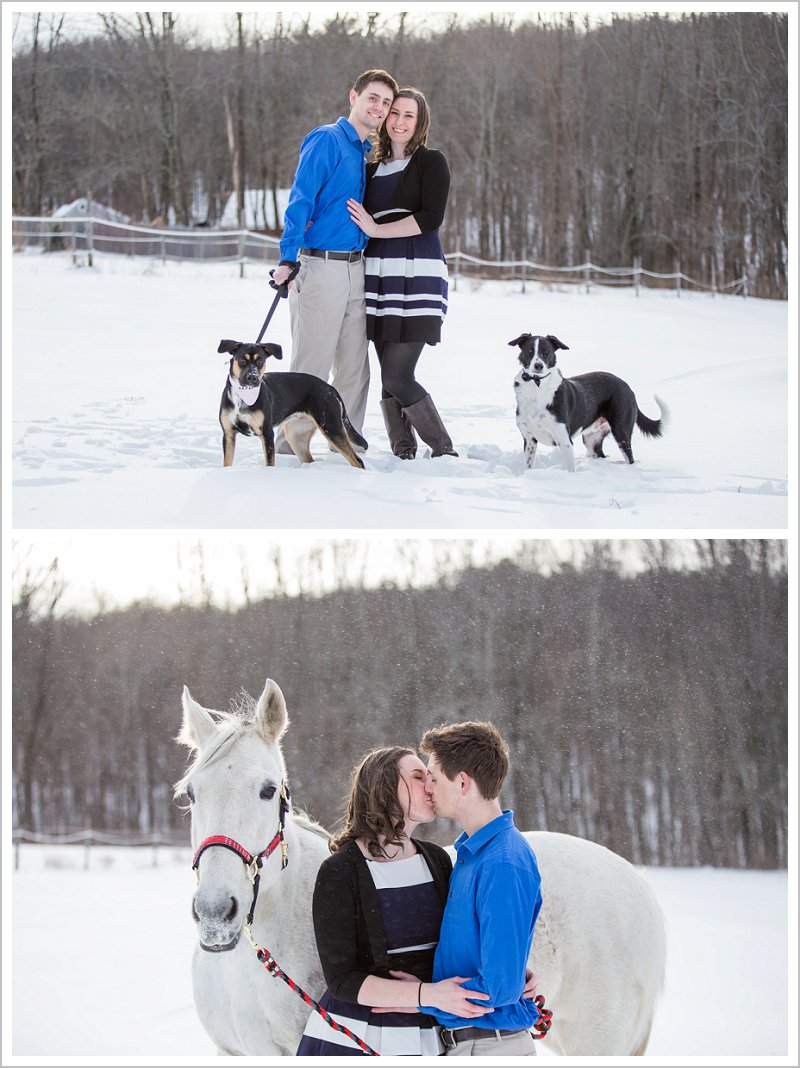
[383, 149]
[373, 810]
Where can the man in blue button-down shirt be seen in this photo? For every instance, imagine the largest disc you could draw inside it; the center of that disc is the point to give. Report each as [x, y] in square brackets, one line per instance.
[323, 245]
[495, 893]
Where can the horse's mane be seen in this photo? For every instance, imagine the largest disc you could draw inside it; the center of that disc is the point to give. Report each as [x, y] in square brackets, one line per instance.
[303, 819]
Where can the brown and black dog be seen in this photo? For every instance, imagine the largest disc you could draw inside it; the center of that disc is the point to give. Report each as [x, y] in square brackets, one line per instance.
[257, 403]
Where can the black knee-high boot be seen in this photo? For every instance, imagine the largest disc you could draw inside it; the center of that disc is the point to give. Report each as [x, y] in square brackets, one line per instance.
[399, 429]
[427, 422]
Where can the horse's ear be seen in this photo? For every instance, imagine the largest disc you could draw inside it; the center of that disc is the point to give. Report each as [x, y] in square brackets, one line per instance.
[271, 717]
[198, 723]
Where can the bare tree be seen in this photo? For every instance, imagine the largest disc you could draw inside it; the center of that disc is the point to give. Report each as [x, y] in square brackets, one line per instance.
[35, 680]
[34, 135]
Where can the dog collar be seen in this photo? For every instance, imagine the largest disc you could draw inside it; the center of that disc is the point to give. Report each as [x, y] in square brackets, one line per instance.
[534, 378]
[248, 394]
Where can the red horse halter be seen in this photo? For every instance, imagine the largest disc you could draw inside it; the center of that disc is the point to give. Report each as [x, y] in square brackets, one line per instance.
[253, 862]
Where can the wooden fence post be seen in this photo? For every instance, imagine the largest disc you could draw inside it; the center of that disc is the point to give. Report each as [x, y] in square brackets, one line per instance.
[90, 233]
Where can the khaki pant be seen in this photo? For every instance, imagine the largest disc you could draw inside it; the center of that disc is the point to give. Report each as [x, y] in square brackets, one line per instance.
[329, 329]
[518, 1045]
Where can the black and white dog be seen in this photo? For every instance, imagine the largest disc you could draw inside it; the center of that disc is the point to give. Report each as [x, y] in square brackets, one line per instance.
[257, 403]
[552, 409]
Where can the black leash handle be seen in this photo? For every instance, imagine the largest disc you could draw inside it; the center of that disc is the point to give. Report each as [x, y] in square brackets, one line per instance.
[282, 291]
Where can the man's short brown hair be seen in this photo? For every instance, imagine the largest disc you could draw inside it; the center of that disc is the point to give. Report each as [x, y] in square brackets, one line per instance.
[476, 748]
[363, 80]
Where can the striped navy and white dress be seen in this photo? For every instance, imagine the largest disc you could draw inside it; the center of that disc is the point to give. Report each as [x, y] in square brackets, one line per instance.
[405, 277]
[411, 910]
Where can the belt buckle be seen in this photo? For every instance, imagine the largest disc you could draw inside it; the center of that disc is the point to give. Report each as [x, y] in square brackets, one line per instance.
[447, 1037]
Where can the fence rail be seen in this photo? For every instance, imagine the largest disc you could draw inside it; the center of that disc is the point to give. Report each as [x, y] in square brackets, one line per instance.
[87, 836]
[85, 236]
[90, 839]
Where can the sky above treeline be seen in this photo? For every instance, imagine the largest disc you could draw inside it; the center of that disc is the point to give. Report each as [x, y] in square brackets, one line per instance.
[215, 24]
[112, 568]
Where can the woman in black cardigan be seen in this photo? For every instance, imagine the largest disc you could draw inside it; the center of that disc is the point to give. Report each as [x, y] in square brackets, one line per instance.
[378, 905]
[406, 272]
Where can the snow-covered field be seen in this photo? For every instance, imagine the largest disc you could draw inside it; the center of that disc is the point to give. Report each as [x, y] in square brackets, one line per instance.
[116, 385]
[101, 961]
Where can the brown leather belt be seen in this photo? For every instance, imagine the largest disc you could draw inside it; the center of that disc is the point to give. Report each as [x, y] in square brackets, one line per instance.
[324, 254]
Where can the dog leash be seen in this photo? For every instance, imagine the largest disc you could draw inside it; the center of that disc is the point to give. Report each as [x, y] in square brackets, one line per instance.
[282, 291]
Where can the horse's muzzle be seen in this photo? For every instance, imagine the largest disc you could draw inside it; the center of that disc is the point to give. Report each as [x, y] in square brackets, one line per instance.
[217, 948]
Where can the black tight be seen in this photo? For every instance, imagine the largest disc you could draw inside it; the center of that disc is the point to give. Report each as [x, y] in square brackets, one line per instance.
[398, 360]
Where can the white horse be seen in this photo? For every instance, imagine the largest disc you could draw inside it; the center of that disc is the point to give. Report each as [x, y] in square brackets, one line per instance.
[599, 948]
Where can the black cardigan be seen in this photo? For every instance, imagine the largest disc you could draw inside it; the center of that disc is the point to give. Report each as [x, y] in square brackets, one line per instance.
[423, 187]
[347, 917]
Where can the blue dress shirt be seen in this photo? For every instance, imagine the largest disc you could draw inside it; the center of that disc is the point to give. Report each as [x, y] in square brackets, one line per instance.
[486, 935]
[330, 171]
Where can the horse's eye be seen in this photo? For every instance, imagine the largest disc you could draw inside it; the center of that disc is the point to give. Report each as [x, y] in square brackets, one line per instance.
[190, 793]
[267, 792]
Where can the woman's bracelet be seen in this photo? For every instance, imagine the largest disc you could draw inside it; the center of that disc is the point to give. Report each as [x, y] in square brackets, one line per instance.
[419, 995]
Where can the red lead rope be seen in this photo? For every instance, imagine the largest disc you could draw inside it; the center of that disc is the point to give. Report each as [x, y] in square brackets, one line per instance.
[543, 1024]
[540, 1028]
[273, 968]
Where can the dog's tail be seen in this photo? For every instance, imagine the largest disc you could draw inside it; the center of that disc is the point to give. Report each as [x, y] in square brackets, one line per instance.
[653, 428]
[352, 433]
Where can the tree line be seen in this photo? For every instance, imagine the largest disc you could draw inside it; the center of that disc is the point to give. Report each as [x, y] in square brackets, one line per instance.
[645, 710]
[657, 139]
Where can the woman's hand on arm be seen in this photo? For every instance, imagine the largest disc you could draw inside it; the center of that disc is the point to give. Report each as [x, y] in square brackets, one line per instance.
[449, 996]
[408, 227]
[362, 218]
